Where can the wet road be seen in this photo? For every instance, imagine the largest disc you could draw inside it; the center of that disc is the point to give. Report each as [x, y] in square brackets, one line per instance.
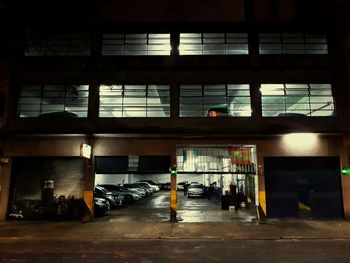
[146, 251]
[156, 209]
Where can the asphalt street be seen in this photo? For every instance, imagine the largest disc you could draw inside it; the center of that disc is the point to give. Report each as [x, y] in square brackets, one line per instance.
[147, 251]
[142, 233]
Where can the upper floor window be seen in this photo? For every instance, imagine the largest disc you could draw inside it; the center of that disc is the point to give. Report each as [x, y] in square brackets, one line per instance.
[134, 101]
[53, 100]
[284, 100]
[227, 100]
[213, 44]
[136, 45]
[58, 45]
[292, 43]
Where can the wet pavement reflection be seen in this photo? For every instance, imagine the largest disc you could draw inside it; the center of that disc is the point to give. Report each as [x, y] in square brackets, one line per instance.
[156, 209]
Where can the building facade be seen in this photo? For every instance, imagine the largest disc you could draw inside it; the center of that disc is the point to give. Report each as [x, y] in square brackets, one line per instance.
[166, 78]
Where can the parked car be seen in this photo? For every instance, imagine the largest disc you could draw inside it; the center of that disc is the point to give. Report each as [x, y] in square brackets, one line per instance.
[137, 188]
[195, 190]
[153, 186]
[113, 199]
[129, 196]
[101, 206]
[149, 181]
[150, 190]
[165, 186]
[180, 186]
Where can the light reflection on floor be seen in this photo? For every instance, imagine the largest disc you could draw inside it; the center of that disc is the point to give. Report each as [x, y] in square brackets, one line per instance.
[156, 209]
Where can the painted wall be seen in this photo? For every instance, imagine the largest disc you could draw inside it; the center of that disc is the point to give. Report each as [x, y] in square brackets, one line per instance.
[29, 174]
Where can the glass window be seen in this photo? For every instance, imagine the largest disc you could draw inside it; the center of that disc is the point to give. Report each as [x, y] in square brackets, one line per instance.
[292, 43]
[224, 100]
[78, 44]
[53, 101]
[284, 100]
[136, 45]
[213, 44]
[134, 101]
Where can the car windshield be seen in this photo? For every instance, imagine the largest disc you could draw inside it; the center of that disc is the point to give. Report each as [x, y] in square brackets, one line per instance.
[110, 186]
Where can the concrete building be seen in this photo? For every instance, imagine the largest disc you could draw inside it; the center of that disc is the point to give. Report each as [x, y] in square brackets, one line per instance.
[223, 90]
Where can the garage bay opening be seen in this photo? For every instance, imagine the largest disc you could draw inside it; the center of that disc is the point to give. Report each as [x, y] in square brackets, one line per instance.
[217, 183]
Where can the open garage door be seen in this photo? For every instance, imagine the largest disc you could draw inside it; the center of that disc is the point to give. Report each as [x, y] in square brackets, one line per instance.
[214, 184]
[228, 178]
[143, 181]
[303, 187]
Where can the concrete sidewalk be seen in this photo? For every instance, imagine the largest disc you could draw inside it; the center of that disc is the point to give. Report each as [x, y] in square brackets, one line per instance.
[273, 229]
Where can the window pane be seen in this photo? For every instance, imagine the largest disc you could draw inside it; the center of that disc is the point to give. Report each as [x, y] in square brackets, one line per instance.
[213, 44]
[226, 100]
[136, 45]
[292, 43]
[297, 100]
[134, 101]
[60, 100]
[75, 44]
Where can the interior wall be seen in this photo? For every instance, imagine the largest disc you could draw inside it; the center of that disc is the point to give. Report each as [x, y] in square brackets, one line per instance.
[130, 178]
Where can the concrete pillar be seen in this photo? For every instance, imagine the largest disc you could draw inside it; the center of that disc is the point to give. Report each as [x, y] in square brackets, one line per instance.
[173, 190]
[89, 184]
[5, 175]
[345, 179]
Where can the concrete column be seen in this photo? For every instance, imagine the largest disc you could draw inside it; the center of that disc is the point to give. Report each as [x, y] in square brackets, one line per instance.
[345, 179]
[5, 175]
[173, 190]
[89, 178]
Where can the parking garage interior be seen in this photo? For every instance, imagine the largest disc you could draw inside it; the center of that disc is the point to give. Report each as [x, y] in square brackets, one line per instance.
[226, 175]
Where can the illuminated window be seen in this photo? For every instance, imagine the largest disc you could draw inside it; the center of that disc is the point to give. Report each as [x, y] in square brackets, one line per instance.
[53, 101]
[134, 101]
[136, 45]
[225, 100]
[213, 44]
[58, 45]
[293, 43]
[285, 100]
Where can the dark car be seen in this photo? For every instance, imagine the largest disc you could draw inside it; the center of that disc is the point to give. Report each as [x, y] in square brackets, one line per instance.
[101, 206]
[113, 199]
[165, 186]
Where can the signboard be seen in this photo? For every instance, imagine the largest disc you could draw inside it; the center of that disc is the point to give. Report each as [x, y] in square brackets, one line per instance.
[85, 150]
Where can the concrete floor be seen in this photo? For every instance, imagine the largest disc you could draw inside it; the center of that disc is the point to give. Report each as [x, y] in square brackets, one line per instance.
[192, 210]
